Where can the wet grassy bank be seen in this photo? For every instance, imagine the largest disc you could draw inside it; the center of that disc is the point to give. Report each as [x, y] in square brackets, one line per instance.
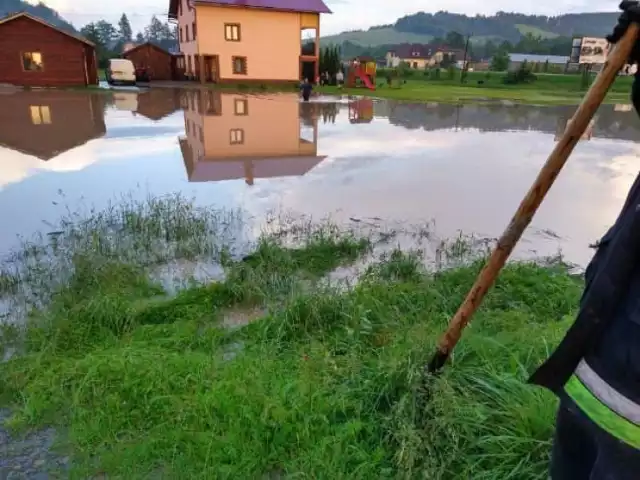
[272, 370]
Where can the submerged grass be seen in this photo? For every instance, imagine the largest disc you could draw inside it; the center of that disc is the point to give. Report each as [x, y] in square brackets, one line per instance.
[325, 384]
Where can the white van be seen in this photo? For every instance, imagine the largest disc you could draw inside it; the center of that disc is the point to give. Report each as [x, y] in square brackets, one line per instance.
[121, 72]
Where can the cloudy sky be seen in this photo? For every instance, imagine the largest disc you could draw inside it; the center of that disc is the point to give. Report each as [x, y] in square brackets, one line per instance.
[348, 14]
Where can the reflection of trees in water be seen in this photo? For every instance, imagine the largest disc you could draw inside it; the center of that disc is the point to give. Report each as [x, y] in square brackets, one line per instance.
[608, 122]
[309, 111]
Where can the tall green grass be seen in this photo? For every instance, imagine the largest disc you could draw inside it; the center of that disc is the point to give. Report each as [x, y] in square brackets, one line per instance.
[322, 382]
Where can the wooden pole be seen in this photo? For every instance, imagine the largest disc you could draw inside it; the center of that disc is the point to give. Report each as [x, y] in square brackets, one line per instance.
[532, 200]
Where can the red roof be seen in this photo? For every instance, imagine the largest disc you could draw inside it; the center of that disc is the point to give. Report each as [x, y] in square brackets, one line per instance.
[311, 6]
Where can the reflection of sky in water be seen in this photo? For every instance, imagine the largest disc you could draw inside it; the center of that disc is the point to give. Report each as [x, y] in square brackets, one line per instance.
[468, 179]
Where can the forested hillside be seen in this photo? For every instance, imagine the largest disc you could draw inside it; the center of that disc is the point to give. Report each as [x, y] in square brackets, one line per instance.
[421, 27]
[40, 10]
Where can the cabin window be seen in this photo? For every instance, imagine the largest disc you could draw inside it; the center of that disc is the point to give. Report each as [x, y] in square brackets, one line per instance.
[32, 62]
[40, 115]
[239, 65]
[193, 29]
[232, 32]
[236, 136]
[241, 106]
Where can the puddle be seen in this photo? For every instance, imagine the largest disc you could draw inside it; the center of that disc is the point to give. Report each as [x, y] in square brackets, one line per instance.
[463, 168]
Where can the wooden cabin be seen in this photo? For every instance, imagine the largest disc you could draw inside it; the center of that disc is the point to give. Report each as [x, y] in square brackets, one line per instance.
[157, 62]
[35, 53]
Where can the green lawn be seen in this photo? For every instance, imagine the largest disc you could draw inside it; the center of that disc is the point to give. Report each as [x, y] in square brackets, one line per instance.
[325, 383]
[546, 89]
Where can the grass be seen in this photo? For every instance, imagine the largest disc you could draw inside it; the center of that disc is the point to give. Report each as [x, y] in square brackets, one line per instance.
[325, 383]
[548, 89]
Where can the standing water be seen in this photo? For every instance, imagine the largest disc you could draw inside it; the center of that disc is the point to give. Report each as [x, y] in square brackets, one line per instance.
[462, 168]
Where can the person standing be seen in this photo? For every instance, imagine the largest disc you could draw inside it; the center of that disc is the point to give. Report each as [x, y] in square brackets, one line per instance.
[306, 88]
[595, 371]
[340, 78]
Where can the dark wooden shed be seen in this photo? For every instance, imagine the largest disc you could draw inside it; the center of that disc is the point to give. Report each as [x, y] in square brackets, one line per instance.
[159, 64]
[37, 54]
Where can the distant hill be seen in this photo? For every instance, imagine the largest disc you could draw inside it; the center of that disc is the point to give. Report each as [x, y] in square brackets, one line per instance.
[8, 7]
[422, 27]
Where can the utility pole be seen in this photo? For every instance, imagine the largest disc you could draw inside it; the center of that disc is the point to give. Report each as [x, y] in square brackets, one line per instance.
[463, 73]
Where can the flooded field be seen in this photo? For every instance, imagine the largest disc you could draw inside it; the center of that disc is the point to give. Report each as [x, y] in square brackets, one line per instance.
[455, 168]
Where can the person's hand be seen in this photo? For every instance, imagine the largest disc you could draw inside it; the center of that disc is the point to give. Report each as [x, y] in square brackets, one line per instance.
[630, 13]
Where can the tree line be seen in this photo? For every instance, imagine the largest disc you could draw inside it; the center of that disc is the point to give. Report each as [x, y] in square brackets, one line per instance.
[110, 39]
[506, 25]
[528, 43]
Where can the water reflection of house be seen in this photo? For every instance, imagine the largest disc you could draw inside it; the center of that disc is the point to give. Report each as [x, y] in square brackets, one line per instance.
[158, 103]
[231, 136]
[47, 123]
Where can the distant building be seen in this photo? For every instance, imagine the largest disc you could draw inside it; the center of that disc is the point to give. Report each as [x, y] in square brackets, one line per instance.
[517, 59]
[158, 63]
[37, 54]
[419, 56]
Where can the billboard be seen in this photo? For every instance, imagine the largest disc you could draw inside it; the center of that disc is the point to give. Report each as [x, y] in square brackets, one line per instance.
[593, 50]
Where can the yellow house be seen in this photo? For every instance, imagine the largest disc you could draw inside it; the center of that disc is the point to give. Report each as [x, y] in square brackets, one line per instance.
[247, 40]
[230, 136]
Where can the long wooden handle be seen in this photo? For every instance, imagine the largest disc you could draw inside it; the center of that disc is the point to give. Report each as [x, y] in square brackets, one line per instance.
[529, 205]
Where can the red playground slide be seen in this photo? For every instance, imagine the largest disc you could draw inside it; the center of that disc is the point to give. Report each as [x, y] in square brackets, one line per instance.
[365, 79]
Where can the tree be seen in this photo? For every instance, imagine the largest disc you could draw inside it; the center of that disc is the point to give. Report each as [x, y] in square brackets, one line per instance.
[107, 32]
[139, 38]
[500, 62]
[455, 40]
[102, 35]
[447, 60]
[155, 30]
[124, 29]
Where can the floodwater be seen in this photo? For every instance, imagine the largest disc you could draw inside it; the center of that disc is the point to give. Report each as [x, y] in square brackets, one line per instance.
[465, 168]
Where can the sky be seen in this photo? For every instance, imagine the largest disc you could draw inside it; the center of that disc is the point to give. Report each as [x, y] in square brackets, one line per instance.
[347, 14]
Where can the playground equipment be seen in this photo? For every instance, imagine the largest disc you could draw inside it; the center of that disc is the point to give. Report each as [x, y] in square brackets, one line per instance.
[363, 68]
[361, 111]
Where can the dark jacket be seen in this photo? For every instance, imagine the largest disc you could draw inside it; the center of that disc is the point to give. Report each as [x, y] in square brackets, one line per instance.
[606, 331]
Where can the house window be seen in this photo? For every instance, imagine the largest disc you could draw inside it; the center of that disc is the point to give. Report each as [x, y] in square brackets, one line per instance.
[241, 106]
[201, 134]
[193, 29]
[180, 9]
[189, 64]
[181, 37]
[32, 62]
[40, 115]
[186, 126]
[236, 136]
[239, 65]
[232, 32]
[415, 64]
